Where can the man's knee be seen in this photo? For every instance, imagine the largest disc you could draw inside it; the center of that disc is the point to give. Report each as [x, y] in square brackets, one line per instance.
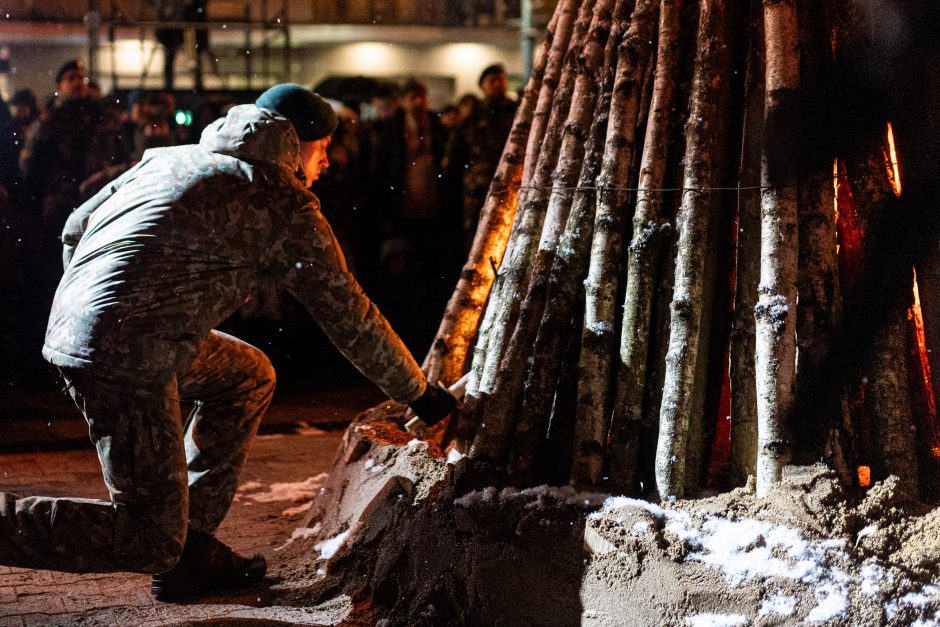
[263, 376]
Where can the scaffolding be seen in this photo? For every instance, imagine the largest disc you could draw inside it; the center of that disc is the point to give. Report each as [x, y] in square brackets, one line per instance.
[265, 25]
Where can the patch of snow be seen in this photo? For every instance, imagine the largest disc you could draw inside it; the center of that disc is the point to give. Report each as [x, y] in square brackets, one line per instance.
[640, 527]
[872, 575]
[777, 605]
[300, 533]
[415, 444]
[454, 456]
[716, 620]
[832, 602]
[300, 491]
[915, 599]
[328, 548]
[471, 499]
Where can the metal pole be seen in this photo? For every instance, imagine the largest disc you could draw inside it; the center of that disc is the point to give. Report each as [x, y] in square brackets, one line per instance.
[113, 40]
[287, 43]
[526, 38]
[93, 24]
[248, 44]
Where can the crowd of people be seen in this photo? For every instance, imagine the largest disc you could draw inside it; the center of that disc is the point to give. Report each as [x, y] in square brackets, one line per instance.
[403, 193]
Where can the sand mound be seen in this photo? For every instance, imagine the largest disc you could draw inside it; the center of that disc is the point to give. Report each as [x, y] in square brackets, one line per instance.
[412, 540]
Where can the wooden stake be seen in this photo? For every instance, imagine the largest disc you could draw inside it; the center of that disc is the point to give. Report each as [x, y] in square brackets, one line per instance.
[448, 355]
[693, 285]
[650, 227]
[743, 453]
[491, 436]
[600, 316]
[560, 269]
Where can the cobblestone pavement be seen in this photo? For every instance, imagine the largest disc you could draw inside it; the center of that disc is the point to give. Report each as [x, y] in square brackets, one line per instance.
[282, 475]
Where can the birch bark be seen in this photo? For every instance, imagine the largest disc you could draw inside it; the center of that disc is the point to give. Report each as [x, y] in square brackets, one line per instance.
[775, 313]
[447, 358]
[650, 228]
[743, 451]
[693, 284]
[558, 281]
[491, 436]
[600, 317]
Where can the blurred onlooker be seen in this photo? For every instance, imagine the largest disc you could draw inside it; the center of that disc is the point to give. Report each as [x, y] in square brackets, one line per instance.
[24, 108]
[405, 177]
[5, 67]
[477, 146]
[467, 106]
[23, 113]
[450, 117]
[62, 150]
[339, 188]
[149, 123]
[377, 134]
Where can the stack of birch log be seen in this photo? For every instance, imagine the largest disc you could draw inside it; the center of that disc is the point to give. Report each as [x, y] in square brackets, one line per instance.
[662, 270]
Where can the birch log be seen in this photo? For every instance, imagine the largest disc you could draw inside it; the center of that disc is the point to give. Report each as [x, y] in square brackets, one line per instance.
[559, 287]
[888, 395]
[502, 405]
[693, 285]
[818, 312]
[775, 313]
[743, 450]
[600, 315]
[491, 436]
[448, 355]
[650, 227]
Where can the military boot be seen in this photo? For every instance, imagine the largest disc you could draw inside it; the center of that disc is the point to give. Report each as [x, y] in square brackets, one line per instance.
[206, 565]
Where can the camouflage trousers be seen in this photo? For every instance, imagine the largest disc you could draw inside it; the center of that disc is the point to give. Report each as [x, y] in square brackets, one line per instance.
[165, 475]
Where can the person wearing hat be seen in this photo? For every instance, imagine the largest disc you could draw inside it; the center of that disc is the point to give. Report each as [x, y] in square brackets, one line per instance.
[476, 148]
[152, 263]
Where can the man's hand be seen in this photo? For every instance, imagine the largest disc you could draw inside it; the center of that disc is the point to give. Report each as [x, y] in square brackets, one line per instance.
[434, 405]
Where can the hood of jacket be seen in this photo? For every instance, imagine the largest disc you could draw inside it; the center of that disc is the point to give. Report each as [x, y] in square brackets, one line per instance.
[254, 134]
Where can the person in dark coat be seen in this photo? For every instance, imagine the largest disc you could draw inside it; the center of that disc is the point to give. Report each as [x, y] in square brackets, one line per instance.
[477, 147]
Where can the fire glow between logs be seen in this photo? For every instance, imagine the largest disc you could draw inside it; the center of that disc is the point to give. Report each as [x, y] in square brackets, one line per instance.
[566, 384]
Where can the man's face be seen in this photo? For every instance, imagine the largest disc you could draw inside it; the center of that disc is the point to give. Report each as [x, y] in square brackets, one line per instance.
[72, 85]
[494, 84]
[313, 158]
[416, 101]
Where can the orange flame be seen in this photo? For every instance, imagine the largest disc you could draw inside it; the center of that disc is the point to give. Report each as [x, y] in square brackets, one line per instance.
[918, 317]
[891, 162]
[864, 476]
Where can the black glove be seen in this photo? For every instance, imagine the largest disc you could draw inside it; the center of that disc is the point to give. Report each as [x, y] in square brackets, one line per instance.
[434, 405]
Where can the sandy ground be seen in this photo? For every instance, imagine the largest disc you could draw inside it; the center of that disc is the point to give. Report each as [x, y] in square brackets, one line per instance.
[411, 540]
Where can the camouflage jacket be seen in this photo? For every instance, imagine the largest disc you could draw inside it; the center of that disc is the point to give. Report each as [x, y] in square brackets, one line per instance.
[478, 143]
[181, 240]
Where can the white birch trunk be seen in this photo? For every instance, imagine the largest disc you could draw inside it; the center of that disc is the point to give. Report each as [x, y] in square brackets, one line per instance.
[693, 285]
[600, 316]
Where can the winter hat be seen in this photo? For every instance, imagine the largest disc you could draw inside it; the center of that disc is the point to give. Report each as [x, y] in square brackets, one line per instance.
[313, 118]
[496, 68]
[74, 64]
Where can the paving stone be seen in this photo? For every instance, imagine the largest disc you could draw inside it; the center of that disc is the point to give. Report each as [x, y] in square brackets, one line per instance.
[34, 603]
[51, 598]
